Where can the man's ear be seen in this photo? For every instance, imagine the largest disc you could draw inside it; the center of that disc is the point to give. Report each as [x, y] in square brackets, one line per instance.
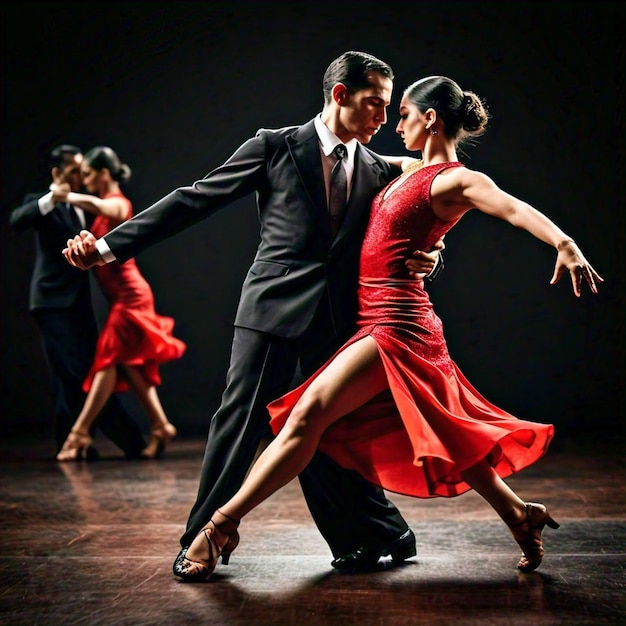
[340, 93]
[57, 175]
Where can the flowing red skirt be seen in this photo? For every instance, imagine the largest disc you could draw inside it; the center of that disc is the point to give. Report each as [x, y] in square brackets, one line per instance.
[432, 424]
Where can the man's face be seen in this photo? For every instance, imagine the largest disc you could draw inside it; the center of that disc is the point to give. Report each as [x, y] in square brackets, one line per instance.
[70, 172]
[363, 112]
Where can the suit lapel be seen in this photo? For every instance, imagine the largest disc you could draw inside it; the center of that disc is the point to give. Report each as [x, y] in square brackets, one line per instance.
[368, 176]
[305, 152]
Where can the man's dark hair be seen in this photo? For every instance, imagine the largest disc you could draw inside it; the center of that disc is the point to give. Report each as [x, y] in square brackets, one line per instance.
[58, 155]
[351, 69]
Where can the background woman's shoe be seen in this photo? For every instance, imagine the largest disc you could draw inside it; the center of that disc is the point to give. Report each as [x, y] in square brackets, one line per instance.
[159, 440]
[75, 447]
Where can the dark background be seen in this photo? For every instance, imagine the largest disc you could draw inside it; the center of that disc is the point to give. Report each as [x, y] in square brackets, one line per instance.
[175, 87]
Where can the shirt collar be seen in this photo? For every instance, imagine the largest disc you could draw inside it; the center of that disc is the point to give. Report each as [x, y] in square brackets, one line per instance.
[329, 140]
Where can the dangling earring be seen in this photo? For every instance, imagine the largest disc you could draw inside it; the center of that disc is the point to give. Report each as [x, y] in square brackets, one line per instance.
[434, 131]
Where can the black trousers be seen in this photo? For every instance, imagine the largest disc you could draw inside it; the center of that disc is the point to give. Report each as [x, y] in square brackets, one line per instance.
[69, 336]
[348, 510]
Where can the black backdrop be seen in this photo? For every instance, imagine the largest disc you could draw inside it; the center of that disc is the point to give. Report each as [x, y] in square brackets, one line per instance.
[175, 87]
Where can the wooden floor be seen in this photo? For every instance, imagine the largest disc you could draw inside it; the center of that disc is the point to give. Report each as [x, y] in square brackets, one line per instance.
[93, 544]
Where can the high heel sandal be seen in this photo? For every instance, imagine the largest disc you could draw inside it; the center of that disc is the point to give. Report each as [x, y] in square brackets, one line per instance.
[193, 570]
[75, 447]
[159, 439]
[527, 533]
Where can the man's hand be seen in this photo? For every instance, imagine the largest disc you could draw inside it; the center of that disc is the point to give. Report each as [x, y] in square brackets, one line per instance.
[81, 251]
[423, 263]
[59, 192]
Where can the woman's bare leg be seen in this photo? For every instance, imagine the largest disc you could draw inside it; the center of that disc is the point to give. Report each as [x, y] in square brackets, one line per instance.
[99, 393]
[525, 520]
[354, 376]
[483, 479]
[162, 430]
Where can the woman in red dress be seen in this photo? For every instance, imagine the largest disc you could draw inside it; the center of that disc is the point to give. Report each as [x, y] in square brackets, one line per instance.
[134, 340]
[391, 403]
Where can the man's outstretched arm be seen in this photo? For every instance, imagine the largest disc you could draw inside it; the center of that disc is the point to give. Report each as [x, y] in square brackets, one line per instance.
[81, 251]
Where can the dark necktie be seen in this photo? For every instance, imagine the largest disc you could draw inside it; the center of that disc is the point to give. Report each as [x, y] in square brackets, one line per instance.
[338, 188]
[76, 223]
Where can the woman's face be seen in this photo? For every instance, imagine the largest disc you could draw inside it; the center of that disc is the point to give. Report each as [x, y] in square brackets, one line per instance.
[91, 178]
[412, 126]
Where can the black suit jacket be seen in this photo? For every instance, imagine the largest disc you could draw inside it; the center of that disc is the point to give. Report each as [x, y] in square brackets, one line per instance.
[297, 260]
[54, 282]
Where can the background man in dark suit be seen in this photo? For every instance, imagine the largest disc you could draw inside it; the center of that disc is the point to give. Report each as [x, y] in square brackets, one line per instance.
[61, 304]
[298, 300]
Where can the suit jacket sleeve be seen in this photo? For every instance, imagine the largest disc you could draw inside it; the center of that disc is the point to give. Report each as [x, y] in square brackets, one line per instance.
[27, 215]
[239, 176]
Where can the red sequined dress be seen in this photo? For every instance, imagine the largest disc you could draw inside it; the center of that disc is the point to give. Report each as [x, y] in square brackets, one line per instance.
[432, 424]
[133, 333]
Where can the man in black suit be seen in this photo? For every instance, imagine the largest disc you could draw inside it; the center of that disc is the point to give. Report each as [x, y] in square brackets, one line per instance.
[298, 301]
[60, 302]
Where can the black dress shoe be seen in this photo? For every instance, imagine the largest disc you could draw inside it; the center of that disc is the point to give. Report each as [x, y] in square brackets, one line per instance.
[134, 454]
[91, 454]
[365, 558]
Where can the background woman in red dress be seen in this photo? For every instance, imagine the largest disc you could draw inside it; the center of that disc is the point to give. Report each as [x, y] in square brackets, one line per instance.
[134, 339]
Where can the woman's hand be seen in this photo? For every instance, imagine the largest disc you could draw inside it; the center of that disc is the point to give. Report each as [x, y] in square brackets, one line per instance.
[570, 258]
